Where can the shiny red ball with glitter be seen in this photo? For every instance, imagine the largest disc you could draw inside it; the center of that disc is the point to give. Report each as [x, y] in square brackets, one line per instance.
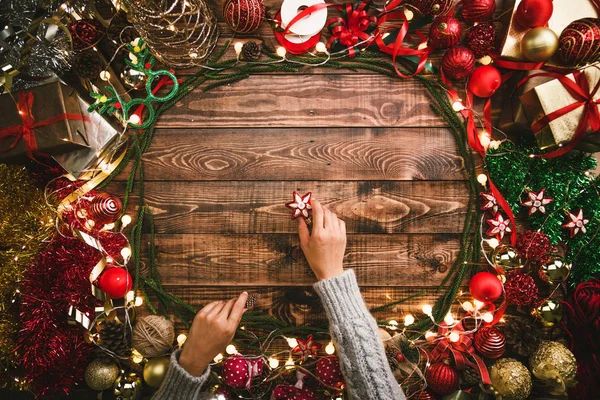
[520, 289]
[478, 10]
[534, 246]
[442, 378]
[85, 33]
[458, 63]
[115, 282]
[481, 39]
[579, 42]
[534, 13]
[444, 32]
[243, 16]
[105, 208]
[490, 342]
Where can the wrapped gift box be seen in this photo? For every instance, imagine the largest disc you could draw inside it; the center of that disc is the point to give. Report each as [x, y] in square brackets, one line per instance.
[565, 12]
[551, 96]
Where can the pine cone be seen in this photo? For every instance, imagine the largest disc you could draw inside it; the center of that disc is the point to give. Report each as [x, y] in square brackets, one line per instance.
[87, 64]
[469, 377]
[250, 51]
[522, 336]
[115, 338]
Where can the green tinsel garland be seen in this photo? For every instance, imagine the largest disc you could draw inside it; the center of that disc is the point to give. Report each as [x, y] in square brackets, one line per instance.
[567, 180]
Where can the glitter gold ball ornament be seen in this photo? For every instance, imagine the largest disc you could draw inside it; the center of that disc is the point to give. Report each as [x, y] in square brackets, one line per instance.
[105, 208]
[100, 375]
[539, 44]
[506, 257]
[445, 32]
[243, 16]
[490, 342]
[478, 10]
[579, 42]
[511, 379]
[155, 371]
[128, 386]
[555, 271]
[133, 79]
[554, 364]
[429, 7]
[458, 62]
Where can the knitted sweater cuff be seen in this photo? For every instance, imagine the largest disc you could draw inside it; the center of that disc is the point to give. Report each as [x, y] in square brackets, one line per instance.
[341, 298]
[178, 383]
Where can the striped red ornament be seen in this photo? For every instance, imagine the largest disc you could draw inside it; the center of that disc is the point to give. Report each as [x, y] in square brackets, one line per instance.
[243, 16]
[444, 32]
[478, 10]
[429, 7]
[579, 42]
[442, 378]
[105, 208]
[490, 342]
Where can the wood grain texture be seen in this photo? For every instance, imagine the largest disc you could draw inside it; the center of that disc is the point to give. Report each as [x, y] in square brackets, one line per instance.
[303, 153]
[277, 260]
[258, 206]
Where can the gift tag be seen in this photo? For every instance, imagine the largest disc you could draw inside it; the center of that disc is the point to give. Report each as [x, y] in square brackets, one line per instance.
[308, 26]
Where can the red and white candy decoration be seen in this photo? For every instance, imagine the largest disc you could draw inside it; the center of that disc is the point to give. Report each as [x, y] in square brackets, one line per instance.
[328, 370]
[537, 202]
[238, 371]
[300, 206]
[498, 226]
[576, 223]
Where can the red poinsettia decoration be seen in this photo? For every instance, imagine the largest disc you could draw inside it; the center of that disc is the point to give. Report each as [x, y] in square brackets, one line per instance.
[300, 206]
[307, 348]
[576, 223]
[498, 226]
[537, 202]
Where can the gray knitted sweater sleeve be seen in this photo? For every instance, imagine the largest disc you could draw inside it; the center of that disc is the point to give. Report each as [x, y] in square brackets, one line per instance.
[358, 344]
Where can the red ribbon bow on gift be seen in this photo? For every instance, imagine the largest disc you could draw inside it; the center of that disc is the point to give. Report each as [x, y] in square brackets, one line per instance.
[580, 90]
[26, 130]
[353, 28]
[462, 351]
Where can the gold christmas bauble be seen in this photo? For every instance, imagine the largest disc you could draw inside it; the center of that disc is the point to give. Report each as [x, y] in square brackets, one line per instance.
[550, 312]
[128, 386]
[511, 379]
[133, 79]
[506, 257]
[100, 375]
[155, 371]
[553, 358]
[555, 271]
[539, 44]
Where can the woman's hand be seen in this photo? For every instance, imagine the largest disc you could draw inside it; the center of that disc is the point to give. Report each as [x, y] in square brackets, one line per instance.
[212, 330]
[325, 248]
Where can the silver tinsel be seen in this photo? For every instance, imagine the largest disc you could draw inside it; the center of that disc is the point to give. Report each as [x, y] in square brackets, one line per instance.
[49, 57]
[19, 12]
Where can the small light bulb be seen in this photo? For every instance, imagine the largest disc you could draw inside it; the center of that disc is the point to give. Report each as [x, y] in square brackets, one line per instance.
[292, 342]
[482, 179]
[321, 47]
[488, 317]
[409, 15]
[138, 301]
[427, 309]
[422, 45]
[478, 304]
[181, 338]
[468, 306]
[493, 242]
[130, 296]
[126, 253]
[110, 226]
[125, 220]
[136, 356]
[393, 323]
[218, 358]
[330, 348]
[495, 144]
[485, 140]
[454, 337]
[273, 362]
[289, 363]
[430, 335]
[230, 349]
[134, 119]
[409, 320]
[485, 60]
[449, 319]
[281, 51]
[458, 106]
[171, 27]
[238, 47]
[104, 75]
[193, 54]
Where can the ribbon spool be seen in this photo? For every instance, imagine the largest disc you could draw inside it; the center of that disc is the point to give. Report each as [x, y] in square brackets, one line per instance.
[310, 25]
[293, 43]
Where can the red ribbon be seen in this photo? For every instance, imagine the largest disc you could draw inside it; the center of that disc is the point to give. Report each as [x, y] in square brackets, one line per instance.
[584, 97]
[352, 29]
[299, 48]
[26, 130]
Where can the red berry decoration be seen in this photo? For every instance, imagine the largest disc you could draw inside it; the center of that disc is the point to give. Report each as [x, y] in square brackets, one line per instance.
[478, 10]
[85, 33]
[490, 342]
[485, 287]
[115, 282]
[579, 42]
[243, 16]
[481, 39]
[484, 81]
[458, 63]
[520, 289]
[238, 371]
[533, 246]
[442, 378]
[444, 32]
[429, 7]
[328, 370]
[105, 208]
[534, 13]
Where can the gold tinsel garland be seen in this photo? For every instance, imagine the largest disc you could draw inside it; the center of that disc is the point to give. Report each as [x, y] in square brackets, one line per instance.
[25, 221]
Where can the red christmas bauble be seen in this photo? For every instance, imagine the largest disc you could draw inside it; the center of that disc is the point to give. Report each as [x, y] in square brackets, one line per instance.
[423, 395]
[458, 63]
[490, 342]
[328, 370]
[484, 81]
[478, 10]
[115, 282]
[243, 16]
[430, 7]
[85, 33]
[444, 32]
[579, 42]
[105, 208]
[485, 287]
[237, 369]
[481, 39]
[533, 246]
[441, 378]
[534, 13]
[520, 288]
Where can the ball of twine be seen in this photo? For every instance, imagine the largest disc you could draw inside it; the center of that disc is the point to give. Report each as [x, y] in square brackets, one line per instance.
[153, 336]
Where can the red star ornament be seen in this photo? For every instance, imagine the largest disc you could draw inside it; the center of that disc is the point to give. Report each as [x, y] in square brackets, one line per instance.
[489, 202]
[300, 206]
[537, 202]
[307, 348]
[576, 223]
[498, 226]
